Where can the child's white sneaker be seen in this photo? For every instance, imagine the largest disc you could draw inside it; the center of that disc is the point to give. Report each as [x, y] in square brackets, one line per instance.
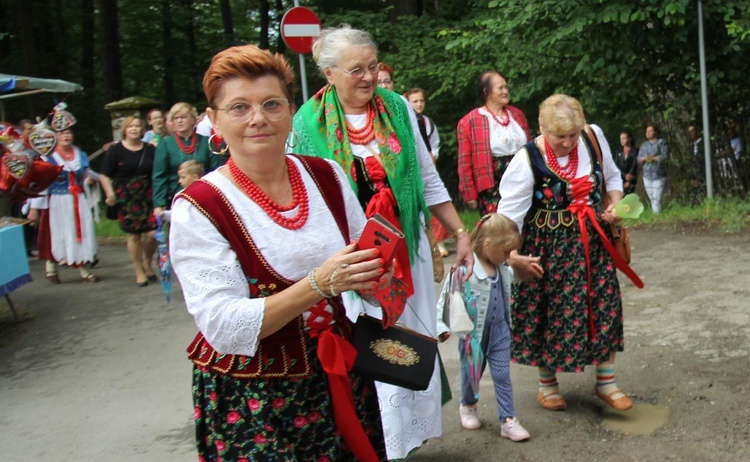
[513, 430]
[469, 418]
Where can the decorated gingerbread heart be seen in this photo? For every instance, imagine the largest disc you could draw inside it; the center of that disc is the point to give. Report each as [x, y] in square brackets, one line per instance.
[17, 164]
[62, 120]
[42, 140]
[7, 180]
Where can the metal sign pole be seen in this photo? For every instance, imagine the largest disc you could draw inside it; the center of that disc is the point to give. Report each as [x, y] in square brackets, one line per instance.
[303, 76]
[704, 103]
[302, 71]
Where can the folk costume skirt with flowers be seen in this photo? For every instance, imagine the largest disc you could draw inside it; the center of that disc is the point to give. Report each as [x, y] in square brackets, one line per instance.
[488, 199]
[550, 319]
[278, 419]
[135, 212]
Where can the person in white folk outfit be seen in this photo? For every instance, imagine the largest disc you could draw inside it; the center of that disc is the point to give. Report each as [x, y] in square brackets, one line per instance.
[373, 135]
[63, 212]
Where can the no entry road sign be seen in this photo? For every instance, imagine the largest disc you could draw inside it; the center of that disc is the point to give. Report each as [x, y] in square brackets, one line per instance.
[299, 27]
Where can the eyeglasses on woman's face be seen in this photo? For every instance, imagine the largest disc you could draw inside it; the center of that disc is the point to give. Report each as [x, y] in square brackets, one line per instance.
[359, 72]
[273, 109]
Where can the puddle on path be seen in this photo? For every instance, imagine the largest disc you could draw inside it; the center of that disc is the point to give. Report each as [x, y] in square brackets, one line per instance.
[642, 419]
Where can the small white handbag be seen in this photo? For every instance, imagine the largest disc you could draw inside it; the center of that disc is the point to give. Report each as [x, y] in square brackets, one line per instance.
[459, 321]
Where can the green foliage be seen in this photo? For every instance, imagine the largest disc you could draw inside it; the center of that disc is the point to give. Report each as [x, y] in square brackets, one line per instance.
[629, 63]
[108, 228]
[722, 215]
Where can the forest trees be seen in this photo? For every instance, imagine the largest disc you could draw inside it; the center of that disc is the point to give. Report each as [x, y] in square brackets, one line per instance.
[629, 62]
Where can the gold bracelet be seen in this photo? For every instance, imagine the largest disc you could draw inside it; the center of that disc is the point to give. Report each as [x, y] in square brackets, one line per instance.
[459, 231]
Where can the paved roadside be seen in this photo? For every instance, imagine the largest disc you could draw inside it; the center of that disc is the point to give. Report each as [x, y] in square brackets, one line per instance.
[100, 373]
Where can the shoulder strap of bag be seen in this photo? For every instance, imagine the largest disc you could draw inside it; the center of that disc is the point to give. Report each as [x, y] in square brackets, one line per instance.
[593, 141]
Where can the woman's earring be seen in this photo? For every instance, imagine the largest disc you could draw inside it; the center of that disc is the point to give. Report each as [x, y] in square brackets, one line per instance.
[211, 145]
[292, 137]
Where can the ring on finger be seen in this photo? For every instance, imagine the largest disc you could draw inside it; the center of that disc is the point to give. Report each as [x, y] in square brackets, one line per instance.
[344, 265]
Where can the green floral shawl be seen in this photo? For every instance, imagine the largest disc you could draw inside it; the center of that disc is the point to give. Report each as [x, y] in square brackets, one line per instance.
[319, 126]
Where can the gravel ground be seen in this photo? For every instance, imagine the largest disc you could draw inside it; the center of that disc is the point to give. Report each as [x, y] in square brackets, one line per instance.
[98, 371]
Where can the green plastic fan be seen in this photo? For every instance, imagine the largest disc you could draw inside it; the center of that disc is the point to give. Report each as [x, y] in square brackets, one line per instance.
[629, 207]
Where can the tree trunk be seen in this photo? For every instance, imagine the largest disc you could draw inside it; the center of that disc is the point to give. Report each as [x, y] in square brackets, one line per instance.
[263, 13]
[110, 50]
[226, 19]
[61, 42]
[87, 45]
[167, 52]
[280, 45]
[194, 72]
[25, 25]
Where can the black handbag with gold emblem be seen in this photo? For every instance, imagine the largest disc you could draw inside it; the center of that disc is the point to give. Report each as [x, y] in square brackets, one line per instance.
[396, 355]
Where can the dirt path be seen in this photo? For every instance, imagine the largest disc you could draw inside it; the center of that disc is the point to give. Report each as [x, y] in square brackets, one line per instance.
[100, 372]
[687, 344]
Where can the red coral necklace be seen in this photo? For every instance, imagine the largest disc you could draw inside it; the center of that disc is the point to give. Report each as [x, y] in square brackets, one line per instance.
[504, 120]
[190, 147]
[273, 209]
[364, 135]
[67, 155]
[571, 168]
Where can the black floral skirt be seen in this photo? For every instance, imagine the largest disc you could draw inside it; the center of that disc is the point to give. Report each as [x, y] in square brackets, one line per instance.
[488, 199]
[277, 419]
[551, 323]
[135, 212]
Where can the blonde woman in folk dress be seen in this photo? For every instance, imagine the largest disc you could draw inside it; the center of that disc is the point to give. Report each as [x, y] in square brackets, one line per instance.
[568, 314]
[374, 136]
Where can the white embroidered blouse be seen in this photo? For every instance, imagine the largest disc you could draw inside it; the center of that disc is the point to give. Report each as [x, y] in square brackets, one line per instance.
[213, 283]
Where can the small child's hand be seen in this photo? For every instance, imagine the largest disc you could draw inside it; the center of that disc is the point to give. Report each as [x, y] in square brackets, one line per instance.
[444, 336]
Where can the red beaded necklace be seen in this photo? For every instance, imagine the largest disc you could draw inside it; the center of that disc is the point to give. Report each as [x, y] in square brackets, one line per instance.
[364, 135]
[67, 155]
[504, 121]
[189, 148]
[571, 168]
[272, 209]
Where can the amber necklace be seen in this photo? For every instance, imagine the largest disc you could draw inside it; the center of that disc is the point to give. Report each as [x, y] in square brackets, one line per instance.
[273, 209]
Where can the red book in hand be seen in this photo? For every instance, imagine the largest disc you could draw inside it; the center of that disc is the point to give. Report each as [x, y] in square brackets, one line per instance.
[381, 234]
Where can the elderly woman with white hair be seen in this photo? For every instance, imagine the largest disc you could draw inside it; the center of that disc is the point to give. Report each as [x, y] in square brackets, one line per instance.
[374, 136]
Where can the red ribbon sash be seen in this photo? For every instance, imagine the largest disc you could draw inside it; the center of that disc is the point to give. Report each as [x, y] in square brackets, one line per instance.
[337, 357]
[75, 190]
[581, 187]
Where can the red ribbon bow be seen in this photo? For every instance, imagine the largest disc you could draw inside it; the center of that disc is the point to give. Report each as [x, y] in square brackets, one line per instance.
[337, 357]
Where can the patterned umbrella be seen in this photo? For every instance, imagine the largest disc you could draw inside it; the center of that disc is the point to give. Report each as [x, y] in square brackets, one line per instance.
[165, 266]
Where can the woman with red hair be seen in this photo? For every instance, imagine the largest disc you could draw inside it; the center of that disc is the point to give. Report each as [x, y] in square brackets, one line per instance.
[262, 248]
